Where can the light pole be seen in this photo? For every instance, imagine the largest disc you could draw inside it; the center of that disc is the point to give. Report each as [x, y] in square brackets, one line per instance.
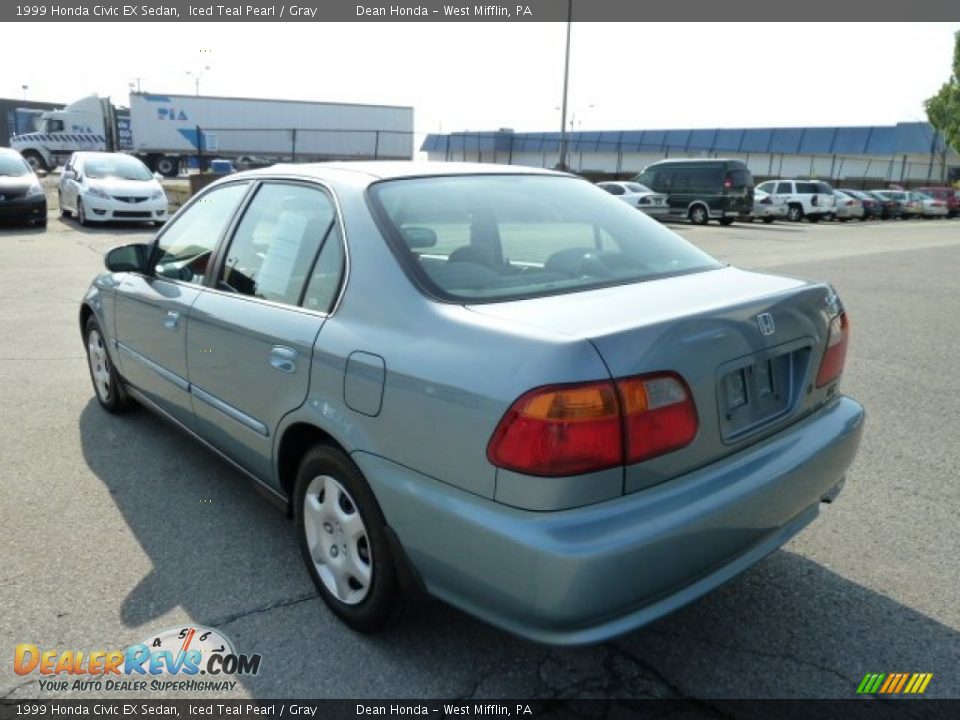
[24, 88]
[196, 78]
[562, 164]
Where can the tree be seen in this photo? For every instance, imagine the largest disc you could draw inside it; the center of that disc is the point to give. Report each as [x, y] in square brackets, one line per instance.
[943, 109]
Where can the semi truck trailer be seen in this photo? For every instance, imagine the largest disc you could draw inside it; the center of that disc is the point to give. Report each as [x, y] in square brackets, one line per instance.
[172, 132]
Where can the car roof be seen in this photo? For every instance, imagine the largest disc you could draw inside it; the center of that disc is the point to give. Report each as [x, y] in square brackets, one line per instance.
[374, 170]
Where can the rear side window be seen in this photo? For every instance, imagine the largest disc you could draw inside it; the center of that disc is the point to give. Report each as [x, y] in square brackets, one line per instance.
[274, 247]
[807, 188]
[823, 187]
[495, 237]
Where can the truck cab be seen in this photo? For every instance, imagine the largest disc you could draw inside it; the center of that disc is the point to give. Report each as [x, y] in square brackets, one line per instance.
[81, 125]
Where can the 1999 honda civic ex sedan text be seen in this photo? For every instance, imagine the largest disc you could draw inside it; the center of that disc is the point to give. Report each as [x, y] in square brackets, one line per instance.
[502, 385]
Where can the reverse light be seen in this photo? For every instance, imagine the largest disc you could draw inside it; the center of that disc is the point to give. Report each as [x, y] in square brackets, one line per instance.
[835, 355]
[575, 429]
[659, 415]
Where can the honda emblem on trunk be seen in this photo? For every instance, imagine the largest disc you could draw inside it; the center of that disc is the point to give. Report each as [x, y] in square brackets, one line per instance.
[765, 323]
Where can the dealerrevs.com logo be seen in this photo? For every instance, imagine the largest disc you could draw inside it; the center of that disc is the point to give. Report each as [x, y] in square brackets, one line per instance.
[174, 659]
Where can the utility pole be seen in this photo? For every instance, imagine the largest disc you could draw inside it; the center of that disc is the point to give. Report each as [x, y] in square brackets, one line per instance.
[562, 164]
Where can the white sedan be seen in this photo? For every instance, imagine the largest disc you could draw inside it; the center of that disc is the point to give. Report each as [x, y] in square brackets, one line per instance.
[100, 187]
[639, 196]
[932, 207]
[848, 207]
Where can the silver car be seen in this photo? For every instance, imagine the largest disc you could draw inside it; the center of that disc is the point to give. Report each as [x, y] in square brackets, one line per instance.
[654, 204]
[500, 385]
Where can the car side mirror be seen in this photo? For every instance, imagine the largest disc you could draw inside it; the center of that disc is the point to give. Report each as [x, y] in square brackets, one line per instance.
[128, 258]
[69, 175]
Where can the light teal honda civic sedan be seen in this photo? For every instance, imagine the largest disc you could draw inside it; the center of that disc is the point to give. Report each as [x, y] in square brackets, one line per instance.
[499, 385]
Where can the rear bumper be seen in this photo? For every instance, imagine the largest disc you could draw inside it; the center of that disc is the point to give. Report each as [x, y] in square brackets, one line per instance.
[592, 573]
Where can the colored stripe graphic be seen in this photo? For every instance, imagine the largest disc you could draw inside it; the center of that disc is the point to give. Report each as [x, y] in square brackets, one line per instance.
[894, 683]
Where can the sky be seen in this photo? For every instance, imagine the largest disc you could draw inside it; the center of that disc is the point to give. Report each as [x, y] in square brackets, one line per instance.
[485, 76]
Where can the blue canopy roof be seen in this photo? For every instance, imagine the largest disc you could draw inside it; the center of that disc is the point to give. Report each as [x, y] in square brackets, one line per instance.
[900, 139]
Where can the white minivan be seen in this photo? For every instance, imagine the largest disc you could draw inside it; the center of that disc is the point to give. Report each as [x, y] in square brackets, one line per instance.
[102, 186]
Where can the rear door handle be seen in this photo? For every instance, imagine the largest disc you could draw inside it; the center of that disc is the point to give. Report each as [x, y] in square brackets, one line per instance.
[283, 358]
[173, 320]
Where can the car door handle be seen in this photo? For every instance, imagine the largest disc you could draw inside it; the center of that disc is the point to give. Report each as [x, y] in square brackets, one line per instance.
[283, 358]
[173, 320]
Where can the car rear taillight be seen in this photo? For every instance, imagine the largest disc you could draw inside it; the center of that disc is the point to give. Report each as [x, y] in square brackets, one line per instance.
[835, 355]
[576, 429]
[849, 203]
[560, 430]
[728, 183]
[659, 415]
[766, 201]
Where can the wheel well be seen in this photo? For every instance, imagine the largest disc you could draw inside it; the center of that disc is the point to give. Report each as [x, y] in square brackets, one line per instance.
[85, 312]
[695, 203]
[296, 441]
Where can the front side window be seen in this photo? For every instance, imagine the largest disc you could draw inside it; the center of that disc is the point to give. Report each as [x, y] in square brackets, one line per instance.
[273, 251]
[494, 237]
[183, 251]
[784, 188]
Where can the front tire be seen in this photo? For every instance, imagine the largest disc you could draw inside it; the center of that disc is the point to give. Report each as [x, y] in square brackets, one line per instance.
[106, 382]
[768, 220]
[795, 213]
[343, 539]
[698, 215]
[81, 213]
[35, 160]
[726, 221]
[63, 211]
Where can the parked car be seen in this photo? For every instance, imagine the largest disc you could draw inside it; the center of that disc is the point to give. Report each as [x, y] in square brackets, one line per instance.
[639, 196]
[910, 207]
[766, 207]
[519, 394]
[930, 207]
[872, 206]
[889, 207]
[21, 195]
[810, 199]
[848, 207]
[948, 195]
[99, 187]
[701, 190]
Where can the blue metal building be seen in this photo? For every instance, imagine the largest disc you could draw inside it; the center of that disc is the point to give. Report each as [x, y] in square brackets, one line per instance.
[905, 152]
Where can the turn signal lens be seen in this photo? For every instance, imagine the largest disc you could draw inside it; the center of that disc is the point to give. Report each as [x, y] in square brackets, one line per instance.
[576, 429]
[560, 430]
[835, 355]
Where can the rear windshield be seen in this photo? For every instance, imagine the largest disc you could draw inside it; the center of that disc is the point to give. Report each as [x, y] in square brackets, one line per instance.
[636, 187]
[13, 166]
[494, 237]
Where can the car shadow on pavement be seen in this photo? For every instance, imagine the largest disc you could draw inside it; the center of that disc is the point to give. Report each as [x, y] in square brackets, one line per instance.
[224, 557]
[106, 228]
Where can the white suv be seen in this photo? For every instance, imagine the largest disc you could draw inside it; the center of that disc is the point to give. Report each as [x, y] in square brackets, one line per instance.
[811, 199]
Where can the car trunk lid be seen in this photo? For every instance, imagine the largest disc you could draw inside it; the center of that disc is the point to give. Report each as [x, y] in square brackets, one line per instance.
[747, 344]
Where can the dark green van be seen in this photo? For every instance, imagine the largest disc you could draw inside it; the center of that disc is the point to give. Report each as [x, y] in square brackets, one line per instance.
[702, 189]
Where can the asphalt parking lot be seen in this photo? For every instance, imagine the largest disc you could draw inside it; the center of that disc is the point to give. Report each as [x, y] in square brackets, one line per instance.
[118, 527]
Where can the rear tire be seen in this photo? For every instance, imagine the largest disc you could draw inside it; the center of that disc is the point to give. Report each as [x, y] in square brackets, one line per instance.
[768, 220]
[343, 538]
[168, 166]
